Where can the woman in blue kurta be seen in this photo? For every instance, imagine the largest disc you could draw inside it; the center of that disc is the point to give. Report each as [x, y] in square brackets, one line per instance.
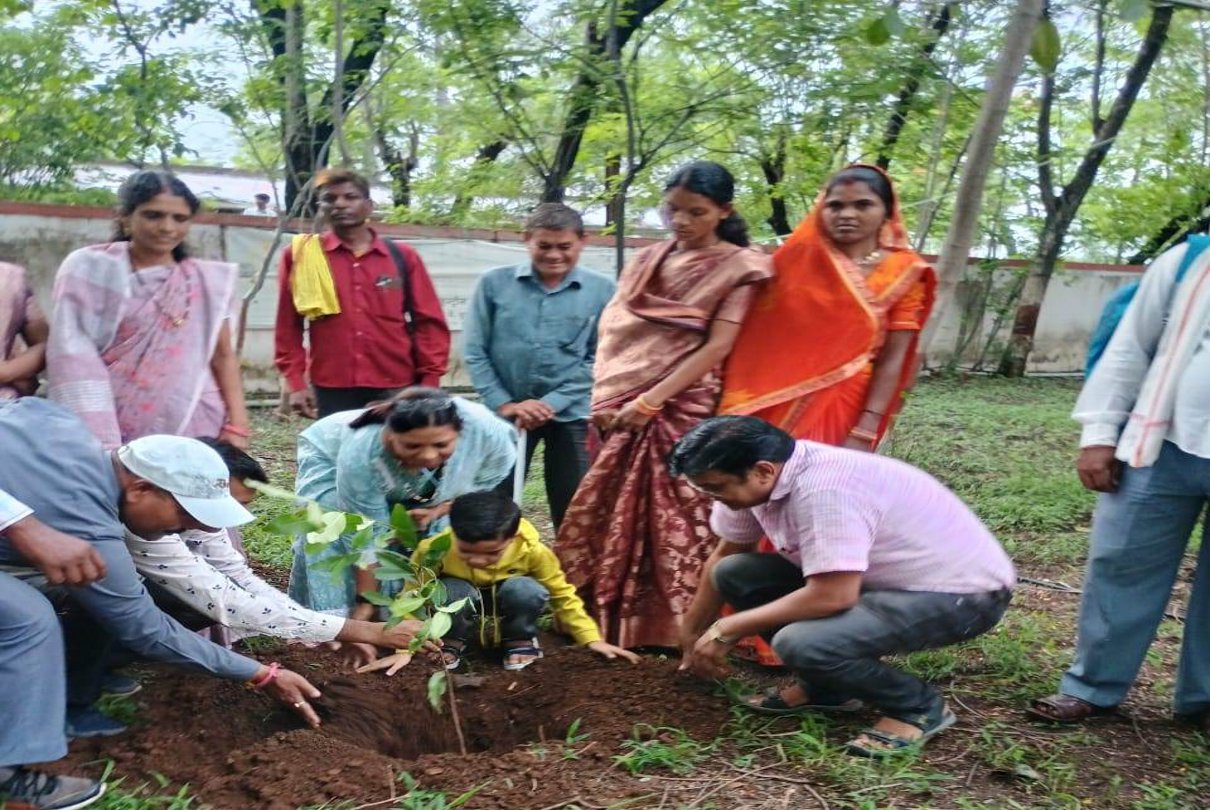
[422, 449]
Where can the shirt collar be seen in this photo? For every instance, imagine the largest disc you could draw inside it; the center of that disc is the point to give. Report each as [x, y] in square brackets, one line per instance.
[331, 242]
[790, 472]
[526, 270]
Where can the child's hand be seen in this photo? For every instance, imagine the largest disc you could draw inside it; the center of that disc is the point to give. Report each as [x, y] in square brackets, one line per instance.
[611, 652]
[391, 663]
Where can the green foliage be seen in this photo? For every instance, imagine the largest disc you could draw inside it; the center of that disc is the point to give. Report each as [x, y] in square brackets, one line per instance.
[438, 684]
[663, 748]
[327, 533]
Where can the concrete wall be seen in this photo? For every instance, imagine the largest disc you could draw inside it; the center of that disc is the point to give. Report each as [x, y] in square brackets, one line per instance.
[38, 237]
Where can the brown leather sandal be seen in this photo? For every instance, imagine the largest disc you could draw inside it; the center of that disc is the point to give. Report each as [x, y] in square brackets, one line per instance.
[1067, 709]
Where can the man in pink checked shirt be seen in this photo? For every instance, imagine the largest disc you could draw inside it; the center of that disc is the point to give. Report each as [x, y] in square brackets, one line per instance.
[874, 558]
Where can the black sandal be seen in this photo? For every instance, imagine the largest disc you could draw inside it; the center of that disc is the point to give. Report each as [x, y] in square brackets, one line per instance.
[532, 650]
[771, 702]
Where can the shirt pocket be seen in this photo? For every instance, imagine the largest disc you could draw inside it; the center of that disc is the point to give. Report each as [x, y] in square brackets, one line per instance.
[579, 329]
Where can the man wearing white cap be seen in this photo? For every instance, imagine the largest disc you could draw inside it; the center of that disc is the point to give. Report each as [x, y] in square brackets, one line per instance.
[50, 463]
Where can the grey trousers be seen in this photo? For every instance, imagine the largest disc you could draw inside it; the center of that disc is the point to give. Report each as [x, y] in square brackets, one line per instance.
[519, 601]
[840, 657]
[565, 461]
[33, 689]
[1139, 536]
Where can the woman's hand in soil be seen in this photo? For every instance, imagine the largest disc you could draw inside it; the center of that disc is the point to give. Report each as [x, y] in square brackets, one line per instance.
[611, 652]
[296, 692]
[356, 655]
[391, 663]
[401, 635]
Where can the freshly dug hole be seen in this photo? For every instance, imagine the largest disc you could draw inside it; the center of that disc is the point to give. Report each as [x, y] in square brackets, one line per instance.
[237, 749]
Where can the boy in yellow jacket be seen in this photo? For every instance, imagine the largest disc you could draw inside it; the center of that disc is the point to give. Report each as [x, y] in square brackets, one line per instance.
[497, 561]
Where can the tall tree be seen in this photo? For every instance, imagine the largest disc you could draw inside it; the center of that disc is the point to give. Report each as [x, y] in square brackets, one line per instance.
[980, 155]
[1061, 207]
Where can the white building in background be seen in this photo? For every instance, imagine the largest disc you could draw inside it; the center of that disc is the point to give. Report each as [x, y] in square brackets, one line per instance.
[233, 190]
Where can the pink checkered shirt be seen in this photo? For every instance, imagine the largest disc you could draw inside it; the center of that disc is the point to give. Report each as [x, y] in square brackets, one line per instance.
[834, 509]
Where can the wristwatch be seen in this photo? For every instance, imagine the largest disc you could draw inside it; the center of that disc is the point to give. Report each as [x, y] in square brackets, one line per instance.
[716, 635]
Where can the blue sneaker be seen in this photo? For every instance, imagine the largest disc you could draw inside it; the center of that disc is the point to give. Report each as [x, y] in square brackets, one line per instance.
[91, 722]
[34, 790]
[119, 685]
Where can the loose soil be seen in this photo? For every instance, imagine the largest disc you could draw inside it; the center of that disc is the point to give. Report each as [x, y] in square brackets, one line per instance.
[237, 749]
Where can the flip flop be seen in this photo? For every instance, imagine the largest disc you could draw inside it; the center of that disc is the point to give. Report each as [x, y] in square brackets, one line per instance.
[532, 650]
[894, 744]
[771, 702]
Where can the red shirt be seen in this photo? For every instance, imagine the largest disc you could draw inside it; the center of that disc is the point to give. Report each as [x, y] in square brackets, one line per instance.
[367, 345]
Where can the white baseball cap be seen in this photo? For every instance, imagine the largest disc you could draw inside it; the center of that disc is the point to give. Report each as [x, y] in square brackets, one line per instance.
[193, 473]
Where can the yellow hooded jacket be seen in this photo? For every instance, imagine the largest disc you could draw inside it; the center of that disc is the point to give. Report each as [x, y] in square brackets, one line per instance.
[526, 556]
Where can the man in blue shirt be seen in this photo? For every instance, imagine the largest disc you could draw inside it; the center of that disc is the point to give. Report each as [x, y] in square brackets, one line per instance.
[530, 338]
[55, 470]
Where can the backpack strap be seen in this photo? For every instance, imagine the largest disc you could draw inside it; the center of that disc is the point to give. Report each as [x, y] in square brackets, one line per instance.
[403, 267]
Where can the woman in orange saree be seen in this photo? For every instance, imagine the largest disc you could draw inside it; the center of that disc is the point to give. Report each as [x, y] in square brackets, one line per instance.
[633, 540]
[851, 297]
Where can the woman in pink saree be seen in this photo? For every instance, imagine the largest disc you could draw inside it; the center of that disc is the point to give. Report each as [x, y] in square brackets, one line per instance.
[20, 316]
[141, 332]
[633, 540]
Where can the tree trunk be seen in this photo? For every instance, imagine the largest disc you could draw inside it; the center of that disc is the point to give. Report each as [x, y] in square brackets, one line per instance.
[398, 165]
[774, 168]
[1061, 210]
[982, 151]
[614, 207]
[484, 158]
[911, 84]
[585, 93]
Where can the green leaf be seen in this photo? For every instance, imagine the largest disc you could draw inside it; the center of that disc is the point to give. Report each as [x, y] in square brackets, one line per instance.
[438, 625]
[454, 607]
[1133, 10]
[272, 491]
[290, 524]
[894, 23]
[436, 690]
[376, 598]
[389, 573]
[1046, 46]
[878, 32]
[404, 526]
[406, 605]
[442, 543]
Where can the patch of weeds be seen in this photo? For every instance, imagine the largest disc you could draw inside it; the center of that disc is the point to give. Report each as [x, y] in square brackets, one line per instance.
[141, 797]
[122, 708]
[662, 747]
[263, 545]
[416, 798]
[1045, 766]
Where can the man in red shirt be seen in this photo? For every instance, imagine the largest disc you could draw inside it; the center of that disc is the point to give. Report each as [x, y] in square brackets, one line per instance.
[390, 332]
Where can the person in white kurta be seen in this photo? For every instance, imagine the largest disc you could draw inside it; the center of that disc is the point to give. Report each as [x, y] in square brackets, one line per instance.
[1146, 448]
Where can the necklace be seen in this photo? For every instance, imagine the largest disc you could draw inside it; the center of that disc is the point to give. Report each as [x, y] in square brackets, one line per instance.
[867, 262]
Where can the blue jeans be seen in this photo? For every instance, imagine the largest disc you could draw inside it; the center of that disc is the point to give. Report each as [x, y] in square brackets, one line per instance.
[1139, 536]
[516, 603]
[33, 690]
[840, 657]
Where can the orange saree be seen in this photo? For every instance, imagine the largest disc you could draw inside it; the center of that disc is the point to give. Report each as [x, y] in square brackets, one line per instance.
[804, 359]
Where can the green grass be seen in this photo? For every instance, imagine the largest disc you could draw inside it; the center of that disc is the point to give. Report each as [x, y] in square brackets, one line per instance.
[1007, 448]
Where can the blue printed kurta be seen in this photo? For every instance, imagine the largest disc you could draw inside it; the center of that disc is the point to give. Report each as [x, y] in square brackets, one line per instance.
[351, 471]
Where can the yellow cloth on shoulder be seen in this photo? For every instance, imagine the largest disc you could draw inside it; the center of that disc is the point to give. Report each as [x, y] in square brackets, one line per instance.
[311, 280]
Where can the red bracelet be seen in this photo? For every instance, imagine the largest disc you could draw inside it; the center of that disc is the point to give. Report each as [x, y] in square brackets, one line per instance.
[237, 431]
[269, 677]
